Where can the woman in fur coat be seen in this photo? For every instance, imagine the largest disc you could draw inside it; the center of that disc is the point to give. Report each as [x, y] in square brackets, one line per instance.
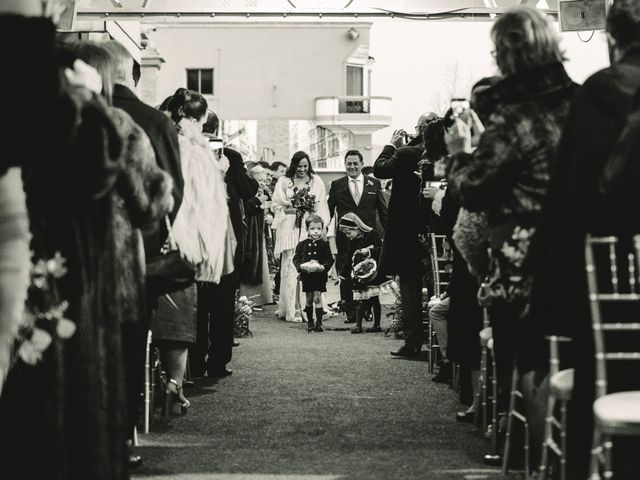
[203, 233]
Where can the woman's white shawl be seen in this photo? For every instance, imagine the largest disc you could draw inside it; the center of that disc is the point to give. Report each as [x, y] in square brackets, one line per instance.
[202, 229]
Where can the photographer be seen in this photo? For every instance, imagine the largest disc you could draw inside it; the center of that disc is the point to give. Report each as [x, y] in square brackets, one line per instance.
[401, 248]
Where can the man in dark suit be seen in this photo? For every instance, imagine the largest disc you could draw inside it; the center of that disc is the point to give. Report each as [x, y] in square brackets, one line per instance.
[216, 302]
[162, 134]
[401, 250]
[363, 196]
[573, 208]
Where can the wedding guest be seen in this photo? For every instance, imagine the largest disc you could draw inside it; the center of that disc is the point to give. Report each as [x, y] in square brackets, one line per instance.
[313, 260]
[361, 195]
[361, 269]
[573, 208]
[254, 275]
[216, 302]
[300, 179]
[203, 234]
[76, 392]
[507, 175]
[164, 141]
[401, 249]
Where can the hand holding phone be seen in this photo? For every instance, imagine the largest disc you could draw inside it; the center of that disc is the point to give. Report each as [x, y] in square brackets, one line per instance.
[217, 146]
[460, 108]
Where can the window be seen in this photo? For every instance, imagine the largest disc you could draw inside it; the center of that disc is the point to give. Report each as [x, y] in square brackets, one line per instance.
[355, 77]
[200, 80]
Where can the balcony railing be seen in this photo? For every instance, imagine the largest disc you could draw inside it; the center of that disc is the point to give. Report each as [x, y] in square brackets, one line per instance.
[369, 113]
[353, 106]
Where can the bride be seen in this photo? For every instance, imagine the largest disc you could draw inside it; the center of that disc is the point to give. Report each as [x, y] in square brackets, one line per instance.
[300, 175]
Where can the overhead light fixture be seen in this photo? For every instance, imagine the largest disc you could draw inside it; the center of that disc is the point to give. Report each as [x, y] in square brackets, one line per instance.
[353, 34]
[542, 5]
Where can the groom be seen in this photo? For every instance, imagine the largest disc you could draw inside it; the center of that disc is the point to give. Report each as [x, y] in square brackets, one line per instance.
[363, 196]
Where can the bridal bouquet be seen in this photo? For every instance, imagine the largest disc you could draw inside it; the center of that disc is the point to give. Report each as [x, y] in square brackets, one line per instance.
[44, 314]
[303, 202]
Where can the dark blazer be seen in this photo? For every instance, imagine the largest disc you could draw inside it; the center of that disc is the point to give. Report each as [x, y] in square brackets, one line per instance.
[309, 249]
[341, 201]
[164, 140]
[401, 247]
[240, 187]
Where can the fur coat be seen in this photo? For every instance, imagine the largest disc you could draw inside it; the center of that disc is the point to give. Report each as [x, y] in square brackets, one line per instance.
[508, 174]
[202, 228]
[143, 198]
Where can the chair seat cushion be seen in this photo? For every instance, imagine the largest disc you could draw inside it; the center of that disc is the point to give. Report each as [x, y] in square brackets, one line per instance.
[618, 413]
[562, 384]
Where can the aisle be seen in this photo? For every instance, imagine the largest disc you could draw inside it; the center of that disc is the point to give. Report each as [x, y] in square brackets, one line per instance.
[316, 406]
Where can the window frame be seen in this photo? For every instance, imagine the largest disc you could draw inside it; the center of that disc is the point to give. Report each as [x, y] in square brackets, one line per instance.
[199, 70]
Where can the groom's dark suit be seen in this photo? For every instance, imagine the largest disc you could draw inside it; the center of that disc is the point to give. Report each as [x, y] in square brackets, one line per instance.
[341, 201]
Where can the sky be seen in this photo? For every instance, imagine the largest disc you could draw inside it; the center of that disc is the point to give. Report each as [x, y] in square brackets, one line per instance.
[423, 64]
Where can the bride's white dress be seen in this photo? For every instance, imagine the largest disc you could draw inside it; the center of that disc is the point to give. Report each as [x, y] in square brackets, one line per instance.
[288, 236]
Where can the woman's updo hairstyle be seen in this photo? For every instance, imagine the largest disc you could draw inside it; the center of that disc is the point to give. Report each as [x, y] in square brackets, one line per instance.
[524, 39]
[187, 104]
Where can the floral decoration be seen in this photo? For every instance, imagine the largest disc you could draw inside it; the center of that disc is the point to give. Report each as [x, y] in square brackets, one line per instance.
[44, 315]
[243, 315]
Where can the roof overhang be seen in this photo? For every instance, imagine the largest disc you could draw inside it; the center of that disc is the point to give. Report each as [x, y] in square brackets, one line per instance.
[207, 10]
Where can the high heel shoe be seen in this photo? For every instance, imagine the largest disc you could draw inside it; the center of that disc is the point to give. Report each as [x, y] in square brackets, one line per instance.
[175, 404]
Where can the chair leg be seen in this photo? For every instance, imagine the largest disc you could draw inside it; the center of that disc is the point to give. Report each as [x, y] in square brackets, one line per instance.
[527, 448]
[494, 405]
[607, 445]
[563, 439]
[507, 442]
[483, 390]
[595, 454]
[147, 384]
[548, 437]
[430, 340]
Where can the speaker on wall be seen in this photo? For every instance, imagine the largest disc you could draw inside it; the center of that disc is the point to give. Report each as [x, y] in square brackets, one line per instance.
[577, 15]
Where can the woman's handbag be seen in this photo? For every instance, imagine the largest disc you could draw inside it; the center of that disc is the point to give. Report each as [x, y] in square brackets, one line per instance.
[168, 272]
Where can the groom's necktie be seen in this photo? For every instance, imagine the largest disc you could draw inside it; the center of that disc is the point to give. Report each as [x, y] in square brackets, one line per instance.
[356, 191]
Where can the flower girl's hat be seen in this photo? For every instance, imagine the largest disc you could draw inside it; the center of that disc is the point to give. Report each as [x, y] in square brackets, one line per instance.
[351, 220]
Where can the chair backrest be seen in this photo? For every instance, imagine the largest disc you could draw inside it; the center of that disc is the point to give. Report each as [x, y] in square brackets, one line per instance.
[612, 278]
[441, 262]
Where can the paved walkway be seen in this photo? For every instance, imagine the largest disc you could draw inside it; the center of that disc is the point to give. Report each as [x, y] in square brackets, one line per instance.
[316, 406]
